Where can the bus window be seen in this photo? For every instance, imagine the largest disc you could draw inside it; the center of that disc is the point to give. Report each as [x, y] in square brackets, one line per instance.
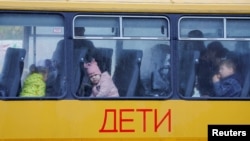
[145, 27]
[35, 34]
[236, 28]
[215, 67]
[138, 67]
[98, 26]
[197, 69]
[210, 27]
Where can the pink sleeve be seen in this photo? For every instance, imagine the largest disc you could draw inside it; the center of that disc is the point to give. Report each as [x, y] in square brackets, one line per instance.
[107, 86]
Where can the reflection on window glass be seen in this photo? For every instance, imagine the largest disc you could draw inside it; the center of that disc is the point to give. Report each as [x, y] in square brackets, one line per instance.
[219, 70]
[138, 68]
[210, 27]
[28, 61]
[237, 28]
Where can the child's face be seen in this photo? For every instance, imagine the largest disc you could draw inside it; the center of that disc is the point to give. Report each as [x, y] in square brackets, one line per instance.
[225, 71]
[95, 78]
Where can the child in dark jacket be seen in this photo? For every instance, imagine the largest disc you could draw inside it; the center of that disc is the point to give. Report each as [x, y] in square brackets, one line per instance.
[227, 83]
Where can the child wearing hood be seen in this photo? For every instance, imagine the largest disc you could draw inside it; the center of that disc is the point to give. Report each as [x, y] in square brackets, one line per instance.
[35, 83]
[103, 85]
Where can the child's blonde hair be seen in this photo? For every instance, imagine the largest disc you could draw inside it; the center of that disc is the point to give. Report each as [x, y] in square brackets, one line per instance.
[228, 63]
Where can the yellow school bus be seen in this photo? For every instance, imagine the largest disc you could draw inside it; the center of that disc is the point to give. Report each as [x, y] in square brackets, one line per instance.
[163, 56]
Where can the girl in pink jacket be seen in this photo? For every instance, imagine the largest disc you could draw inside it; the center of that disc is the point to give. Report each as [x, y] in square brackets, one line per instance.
[103, 85]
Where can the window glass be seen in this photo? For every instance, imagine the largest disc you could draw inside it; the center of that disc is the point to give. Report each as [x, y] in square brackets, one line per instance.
[28, 39]
[97, 26]
[210, 27]
[214, 69]
[139, 68]
[145, 27]
[236, 28]
[31, 19]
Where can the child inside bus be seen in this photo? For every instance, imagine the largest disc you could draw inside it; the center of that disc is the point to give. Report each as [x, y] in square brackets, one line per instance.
[227, 83]
[103, 85]
[35, 83]
[209, 65]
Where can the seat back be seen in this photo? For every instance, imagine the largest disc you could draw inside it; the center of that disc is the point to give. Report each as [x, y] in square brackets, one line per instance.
[78, 70]
[127, 72]
[246, 86]
[57, 88]
[103, 57]
[160, 75]
[188, 71]
[12, 71]
[244, 70]
[242, 52]
[83, 51]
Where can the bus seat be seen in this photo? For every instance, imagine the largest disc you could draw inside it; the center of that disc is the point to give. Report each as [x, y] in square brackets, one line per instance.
[85, 44]
[246, 86]
[103, 57]
[78, 70]
[2, 90]
[242, 51]
[12, 71]
[127, 72]
[56, 89]
[84, 51]
[245, 73]
[192, 57]
[51, 77]
[160, 75]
